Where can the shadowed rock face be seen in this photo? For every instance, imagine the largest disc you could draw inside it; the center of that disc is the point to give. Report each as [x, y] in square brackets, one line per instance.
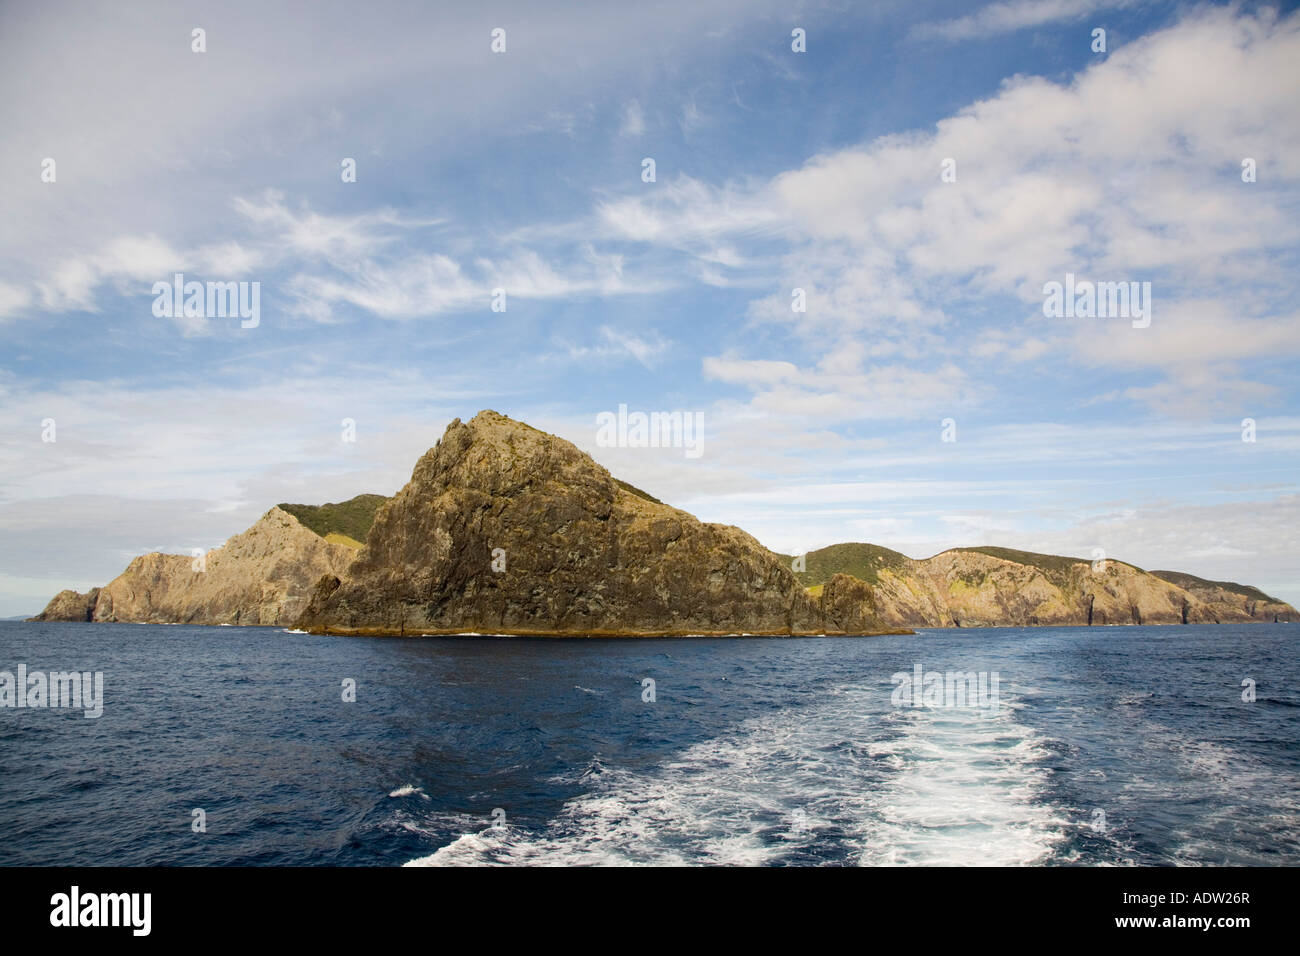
[575, 554]
[70, 606]
[846, 600]
[261, 576]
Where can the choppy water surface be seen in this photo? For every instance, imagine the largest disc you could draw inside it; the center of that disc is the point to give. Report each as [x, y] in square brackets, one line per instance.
[1108, 745]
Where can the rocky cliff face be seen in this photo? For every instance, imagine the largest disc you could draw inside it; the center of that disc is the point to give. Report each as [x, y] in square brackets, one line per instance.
[999, 587]
[506, 529]
[262, 576]
[969, 589]
[1228, 601]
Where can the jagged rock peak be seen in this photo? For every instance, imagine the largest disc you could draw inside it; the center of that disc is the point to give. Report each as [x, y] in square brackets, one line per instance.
[504, 528]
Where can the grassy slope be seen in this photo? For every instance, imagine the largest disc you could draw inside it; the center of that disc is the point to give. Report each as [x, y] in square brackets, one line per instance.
[351, 519]
[1187, 581]
[1047, 563]
[632, 489]
[863, 561]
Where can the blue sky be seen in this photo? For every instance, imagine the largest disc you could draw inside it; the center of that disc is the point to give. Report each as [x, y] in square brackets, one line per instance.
[775, 170]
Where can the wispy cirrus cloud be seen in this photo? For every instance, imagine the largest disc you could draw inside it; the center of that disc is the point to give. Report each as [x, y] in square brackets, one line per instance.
[614, 345]
[1011, 16]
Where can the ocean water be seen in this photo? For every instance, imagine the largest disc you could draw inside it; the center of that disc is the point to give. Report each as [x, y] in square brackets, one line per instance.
[1117, 746]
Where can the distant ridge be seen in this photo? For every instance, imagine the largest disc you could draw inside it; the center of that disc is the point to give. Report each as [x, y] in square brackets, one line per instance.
[1191, 582]
[991, 586]
[1048, 562]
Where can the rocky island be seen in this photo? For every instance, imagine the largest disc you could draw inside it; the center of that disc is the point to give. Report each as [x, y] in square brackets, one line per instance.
[505, 529]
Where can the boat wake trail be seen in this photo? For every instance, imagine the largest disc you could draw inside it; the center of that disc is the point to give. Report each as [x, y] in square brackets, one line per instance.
[840, 783]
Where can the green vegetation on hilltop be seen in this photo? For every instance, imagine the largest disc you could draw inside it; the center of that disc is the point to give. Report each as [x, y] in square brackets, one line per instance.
[866, 561]
[862, 561]
[1188, 581]
[633, 490]
[351, 519]
[1047, 563]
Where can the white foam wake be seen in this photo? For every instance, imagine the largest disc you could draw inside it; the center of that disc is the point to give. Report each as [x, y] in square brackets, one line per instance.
[409, 790]
[834, 783]
[969, 791]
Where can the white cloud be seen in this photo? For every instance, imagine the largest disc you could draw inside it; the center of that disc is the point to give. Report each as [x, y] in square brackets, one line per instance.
[130, 147]
[1129, 171]
[131, 262]
[685, 210]
[370, 261]
[633, 123]
[844, 387]
[1008, 17]
[615, 345]
[13, 299]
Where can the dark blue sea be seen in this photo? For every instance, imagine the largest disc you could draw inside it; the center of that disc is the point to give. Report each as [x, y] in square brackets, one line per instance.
[1118, 745]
